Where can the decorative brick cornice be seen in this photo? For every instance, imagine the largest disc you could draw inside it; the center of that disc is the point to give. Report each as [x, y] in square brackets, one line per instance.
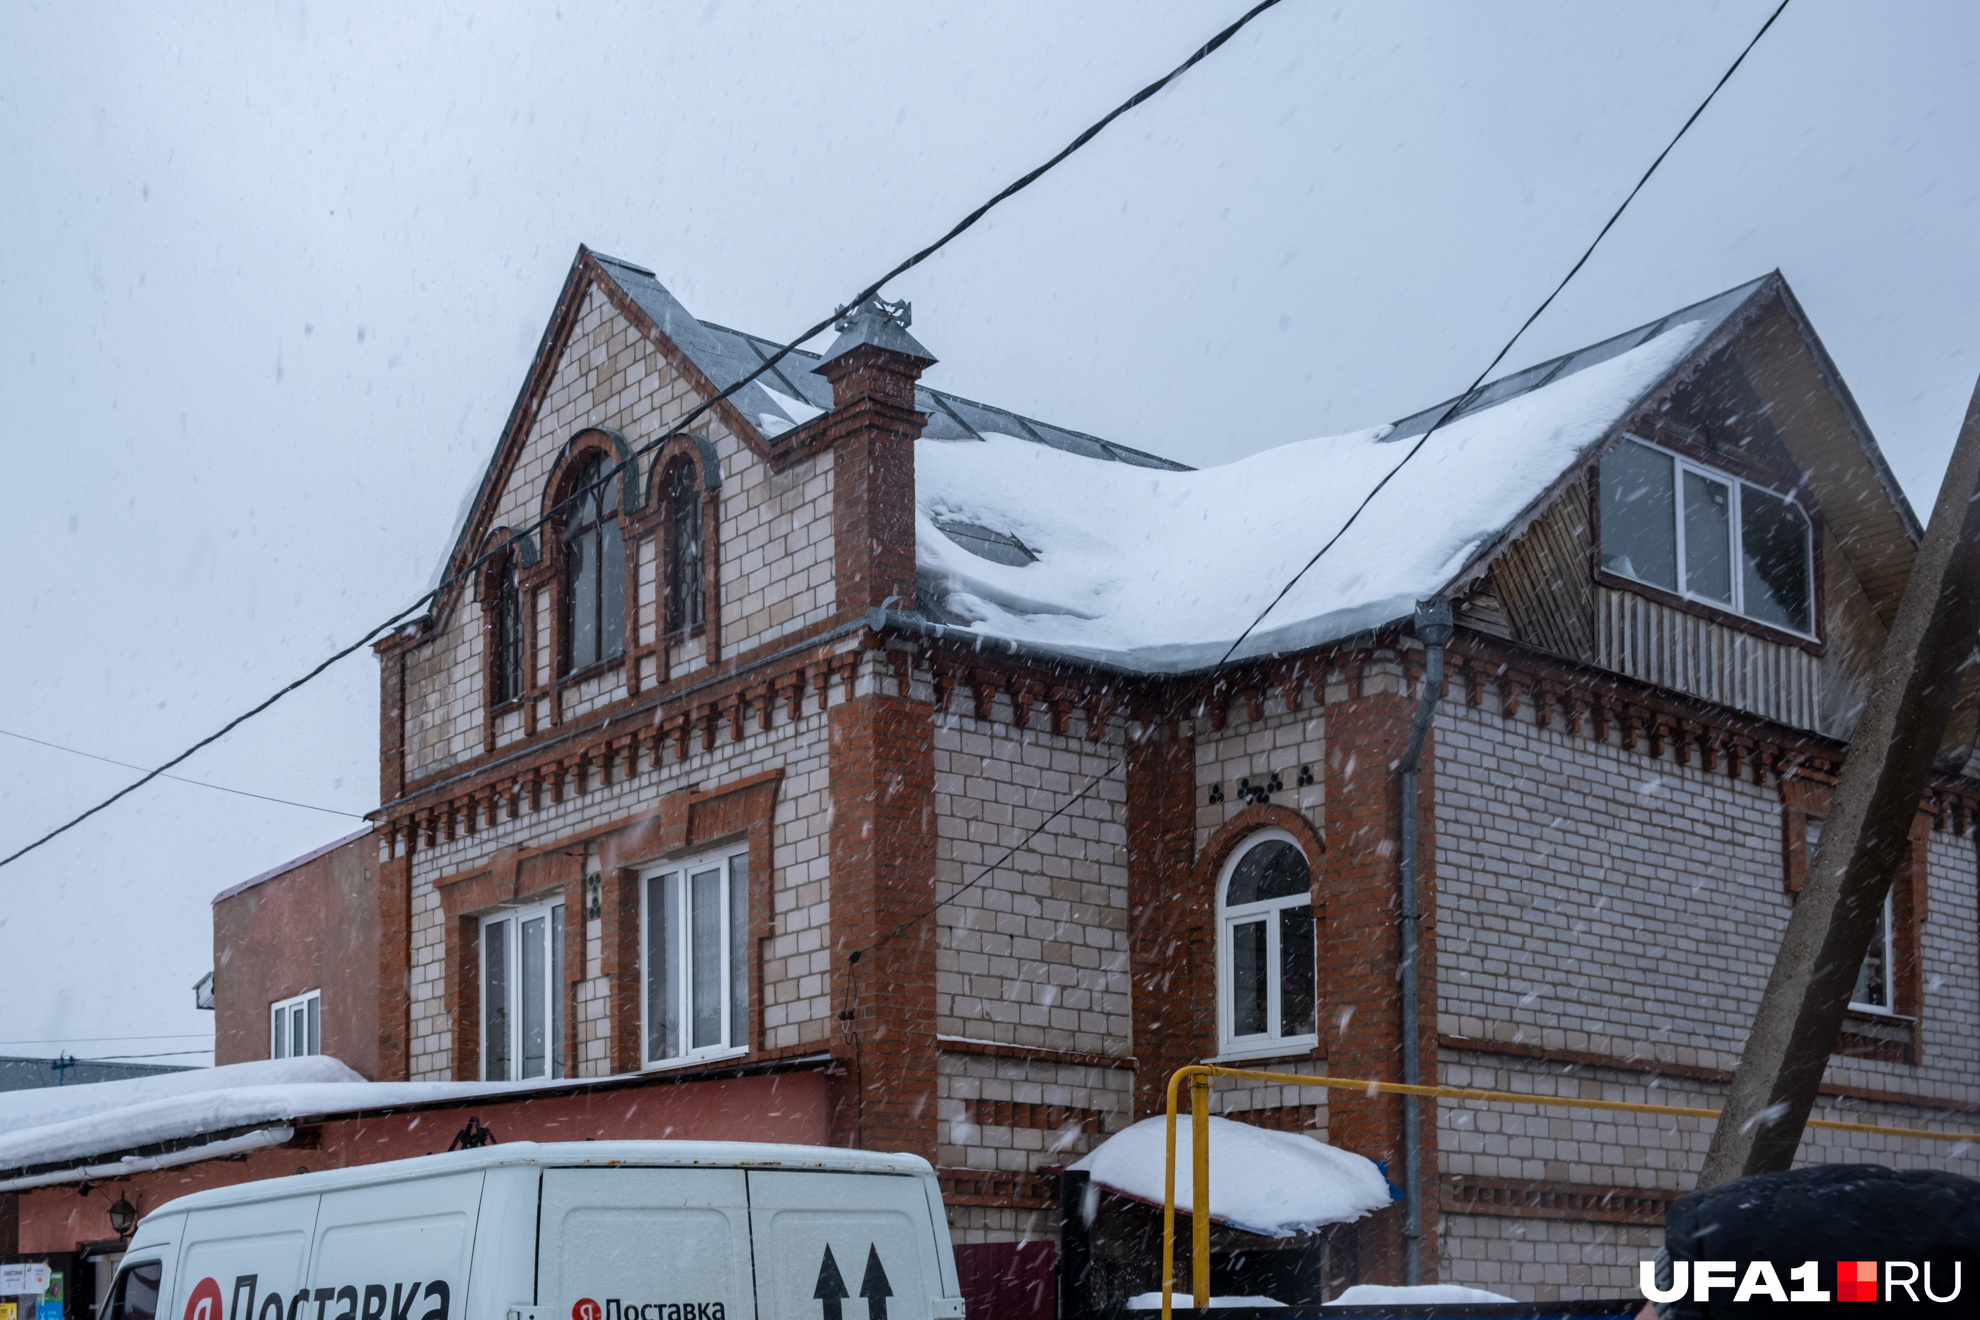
[1460, 1194]
[999, 1050]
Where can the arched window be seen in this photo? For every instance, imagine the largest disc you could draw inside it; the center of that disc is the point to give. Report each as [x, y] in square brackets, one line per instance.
[1265, 956]
[594, 567]
[508, 634]
[685, 604]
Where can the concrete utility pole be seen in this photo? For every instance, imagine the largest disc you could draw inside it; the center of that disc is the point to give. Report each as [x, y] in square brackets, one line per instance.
[1864, 836]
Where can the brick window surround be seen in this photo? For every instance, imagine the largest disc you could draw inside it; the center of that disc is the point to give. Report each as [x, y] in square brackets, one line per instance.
[686, 821]
[1230, 837]
[1894, 1036]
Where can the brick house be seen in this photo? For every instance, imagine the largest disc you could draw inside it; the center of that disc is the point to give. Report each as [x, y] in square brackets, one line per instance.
[764, 758]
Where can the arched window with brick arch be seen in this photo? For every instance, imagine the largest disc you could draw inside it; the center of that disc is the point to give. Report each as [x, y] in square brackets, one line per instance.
[684, 561]
[507, 678]
[594, 565]
[1267, 991]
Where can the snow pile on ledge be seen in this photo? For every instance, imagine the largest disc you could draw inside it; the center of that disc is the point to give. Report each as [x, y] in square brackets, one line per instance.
[1160, 570]
[1423, 1294]
[1273, 1183]
[54, 1124]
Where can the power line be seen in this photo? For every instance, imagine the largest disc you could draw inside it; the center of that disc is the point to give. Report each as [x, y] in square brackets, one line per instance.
[610, 474]
[197, 783]
[116, 1058]
[1203, 680]
[94, 1040]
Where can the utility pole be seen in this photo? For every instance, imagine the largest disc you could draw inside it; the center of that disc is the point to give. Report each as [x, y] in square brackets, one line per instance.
[1864, 836]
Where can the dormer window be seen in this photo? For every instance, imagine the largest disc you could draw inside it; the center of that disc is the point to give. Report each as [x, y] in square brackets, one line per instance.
[1708, 537]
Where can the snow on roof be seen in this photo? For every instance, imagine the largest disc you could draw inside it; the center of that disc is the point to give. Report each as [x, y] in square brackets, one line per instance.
[51, 1126]
[1161, 570]
[1273, 1183]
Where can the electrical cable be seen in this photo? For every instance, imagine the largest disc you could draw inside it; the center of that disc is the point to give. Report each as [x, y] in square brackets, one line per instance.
[1204, 680]
[93, 1040]
[197, 783]
[617, 469]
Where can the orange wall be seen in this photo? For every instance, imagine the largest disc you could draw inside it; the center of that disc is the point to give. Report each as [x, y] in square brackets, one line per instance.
[789, 1107]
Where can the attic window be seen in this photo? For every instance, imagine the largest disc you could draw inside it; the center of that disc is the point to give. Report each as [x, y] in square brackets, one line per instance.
[997, 547]
[1707, 536]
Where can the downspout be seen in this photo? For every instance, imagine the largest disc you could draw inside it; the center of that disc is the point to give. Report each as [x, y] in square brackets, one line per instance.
[1432, 625]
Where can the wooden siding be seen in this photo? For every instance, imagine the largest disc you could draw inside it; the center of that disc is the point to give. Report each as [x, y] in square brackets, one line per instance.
[1543, 582]
[1676, 649]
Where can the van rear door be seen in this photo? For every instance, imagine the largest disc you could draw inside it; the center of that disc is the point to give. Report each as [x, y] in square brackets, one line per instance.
[243, 1262]
[845, 1246]
[634, 1243]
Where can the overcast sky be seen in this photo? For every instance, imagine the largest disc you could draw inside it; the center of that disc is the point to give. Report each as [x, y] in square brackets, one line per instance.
[272, 275]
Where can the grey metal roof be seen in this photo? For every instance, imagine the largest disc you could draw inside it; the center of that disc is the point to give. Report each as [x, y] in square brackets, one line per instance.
[726, 356]
[1714, 311]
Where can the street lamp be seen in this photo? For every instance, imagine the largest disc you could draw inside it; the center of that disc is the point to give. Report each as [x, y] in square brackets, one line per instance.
[123, 1217]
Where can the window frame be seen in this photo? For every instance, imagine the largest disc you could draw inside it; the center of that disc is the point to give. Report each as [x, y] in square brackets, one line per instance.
[556, 1047]
[583, 517]
[1271, 1044]
[1734, 612]
[683, 586]
[114, 1301]
[284, 1011]
[509, 635]
[734, 939]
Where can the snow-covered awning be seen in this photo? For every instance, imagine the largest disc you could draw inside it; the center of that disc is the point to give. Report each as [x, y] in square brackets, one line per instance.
[60, 1134]
[1272, 1183]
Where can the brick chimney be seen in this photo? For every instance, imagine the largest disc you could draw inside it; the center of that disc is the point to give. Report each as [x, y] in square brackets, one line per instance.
[873, 366]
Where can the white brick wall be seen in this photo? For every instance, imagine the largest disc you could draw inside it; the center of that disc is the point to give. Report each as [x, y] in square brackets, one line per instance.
[1035, 953]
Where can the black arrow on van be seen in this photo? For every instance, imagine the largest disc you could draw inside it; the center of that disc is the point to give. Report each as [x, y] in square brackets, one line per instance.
[874, 1287]
[831, 1289]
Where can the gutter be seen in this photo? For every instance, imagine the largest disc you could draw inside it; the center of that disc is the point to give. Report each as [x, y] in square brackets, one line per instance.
[1433, 628]
[168, 1155]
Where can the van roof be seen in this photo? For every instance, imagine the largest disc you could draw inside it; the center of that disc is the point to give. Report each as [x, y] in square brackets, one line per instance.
[557, 1154]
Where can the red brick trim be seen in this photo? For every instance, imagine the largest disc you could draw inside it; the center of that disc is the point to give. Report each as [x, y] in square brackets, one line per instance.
[1007, 1191]
[1240, 827]
[1652, 1068]
[1511, 1198]
[463, 1000]
[999, 1050]
[619, 965]
[1173, 999]
[1019, 1114]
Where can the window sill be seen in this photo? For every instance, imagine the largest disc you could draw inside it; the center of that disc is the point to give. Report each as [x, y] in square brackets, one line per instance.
[1299, 1047]
[693, 1060]
[577, 676]
[509, 707]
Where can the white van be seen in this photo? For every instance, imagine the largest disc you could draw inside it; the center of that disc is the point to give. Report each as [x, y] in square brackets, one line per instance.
[605, 1230]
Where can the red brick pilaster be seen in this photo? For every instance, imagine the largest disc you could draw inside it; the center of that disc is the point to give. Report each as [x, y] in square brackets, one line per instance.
[619, 964]
[464, 995]
[1361, 1022]
[883, 893]
[391, 655]
[1174, 990]
[394, 960]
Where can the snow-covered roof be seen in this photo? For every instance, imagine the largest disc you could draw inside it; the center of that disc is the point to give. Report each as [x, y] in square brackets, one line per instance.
[1108, 554]
[105, 1128]
[1274, 1183]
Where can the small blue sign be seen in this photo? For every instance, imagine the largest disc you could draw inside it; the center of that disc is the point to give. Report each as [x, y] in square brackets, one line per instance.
[48, 1310]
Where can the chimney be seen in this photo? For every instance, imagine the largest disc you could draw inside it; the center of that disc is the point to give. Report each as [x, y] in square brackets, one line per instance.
[873, 366]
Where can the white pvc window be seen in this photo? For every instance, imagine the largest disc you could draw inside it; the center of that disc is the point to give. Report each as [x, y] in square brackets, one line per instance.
[522, 1004]
[1875, 991]
[295, 1026]
[1267, 1000]
[1707, 536]
[694, 934]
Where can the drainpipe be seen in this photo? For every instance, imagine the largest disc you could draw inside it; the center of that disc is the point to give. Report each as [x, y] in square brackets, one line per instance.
[1432, 625]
